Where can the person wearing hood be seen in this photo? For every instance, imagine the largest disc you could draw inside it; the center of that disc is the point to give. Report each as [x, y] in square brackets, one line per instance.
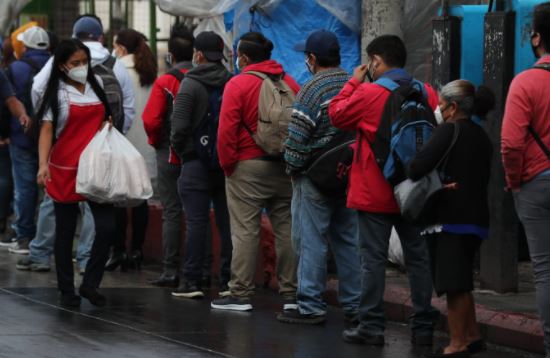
[23, 146]
[89, 29]
[194, 124]
[254, 180]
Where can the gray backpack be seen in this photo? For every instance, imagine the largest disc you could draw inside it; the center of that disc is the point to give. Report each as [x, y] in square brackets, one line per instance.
[113, 91]
[274, 112]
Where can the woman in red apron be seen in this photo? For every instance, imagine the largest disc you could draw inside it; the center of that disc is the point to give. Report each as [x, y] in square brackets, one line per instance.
[73, 109]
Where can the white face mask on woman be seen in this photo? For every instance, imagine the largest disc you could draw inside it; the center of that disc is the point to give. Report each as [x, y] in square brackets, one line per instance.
[78, 74]
[438, 115]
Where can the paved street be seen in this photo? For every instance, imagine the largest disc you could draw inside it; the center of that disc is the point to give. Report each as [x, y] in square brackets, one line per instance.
[140, 321]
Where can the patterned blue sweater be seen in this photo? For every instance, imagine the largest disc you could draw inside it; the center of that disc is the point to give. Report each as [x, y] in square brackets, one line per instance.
[310, 129]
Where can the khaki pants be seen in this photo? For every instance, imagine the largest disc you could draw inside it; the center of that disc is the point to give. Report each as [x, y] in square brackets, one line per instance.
[258, 184]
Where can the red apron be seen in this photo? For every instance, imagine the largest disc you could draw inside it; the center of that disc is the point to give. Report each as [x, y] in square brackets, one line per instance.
[83, 122]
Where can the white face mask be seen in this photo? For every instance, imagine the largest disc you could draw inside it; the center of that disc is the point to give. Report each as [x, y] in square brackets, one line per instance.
[438, 116]
[78, 74]
[237, 67]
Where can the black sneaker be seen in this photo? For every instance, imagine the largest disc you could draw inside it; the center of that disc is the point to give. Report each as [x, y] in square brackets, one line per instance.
[232, 303]
[8, 241]
[69, 300]
[93, 296]
[25, 264]
[290, 304]
[351, 319]
[294, 316]
[224, 291]
[359, 336]
[188, 290]
[21, 247]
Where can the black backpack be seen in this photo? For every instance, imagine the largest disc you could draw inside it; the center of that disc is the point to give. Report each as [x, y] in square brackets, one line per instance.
[112, 90]
[328, 168]
[205, 134]
[170, 104]
[406, 124]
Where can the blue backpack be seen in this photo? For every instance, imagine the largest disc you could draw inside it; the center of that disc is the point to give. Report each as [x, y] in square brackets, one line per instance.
[205, 134]
[406, 124]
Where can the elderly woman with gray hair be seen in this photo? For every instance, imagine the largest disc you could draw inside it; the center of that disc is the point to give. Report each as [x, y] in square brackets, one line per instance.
[458, 217]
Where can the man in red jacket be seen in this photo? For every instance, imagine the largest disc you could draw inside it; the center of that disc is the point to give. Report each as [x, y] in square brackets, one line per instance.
[359, 107]
[254, 180]
[526, 158]
[156, 120]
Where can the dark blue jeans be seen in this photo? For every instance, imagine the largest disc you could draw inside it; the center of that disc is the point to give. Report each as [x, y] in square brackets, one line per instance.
[24, 168]
[198, 187]
[374, 238]
[6, 183]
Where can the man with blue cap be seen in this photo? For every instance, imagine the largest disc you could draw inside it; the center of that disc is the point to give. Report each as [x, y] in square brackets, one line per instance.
[320, 218]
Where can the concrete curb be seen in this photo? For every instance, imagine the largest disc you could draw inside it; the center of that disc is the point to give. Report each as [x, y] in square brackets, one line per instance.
[515, 330]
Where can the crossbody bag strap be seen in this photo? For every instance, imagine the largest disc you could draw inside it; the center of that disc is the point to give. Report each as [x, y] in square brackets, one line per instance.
[443, 161]
[539, 141]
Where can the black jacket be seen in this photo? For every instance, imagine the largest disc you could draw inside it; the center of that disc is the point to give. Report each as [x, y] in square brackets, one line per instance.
[192, 104]
[469, 165]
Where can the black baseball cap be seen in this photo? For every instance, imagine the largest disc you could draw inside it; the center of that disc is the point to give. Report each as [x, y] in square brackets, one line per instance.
[320, 42]
[211, 44]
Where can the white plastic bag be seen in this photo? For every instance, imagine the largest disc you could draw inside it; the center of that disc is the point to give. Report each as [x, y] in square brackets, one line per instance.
[395, 251]
[111, 170]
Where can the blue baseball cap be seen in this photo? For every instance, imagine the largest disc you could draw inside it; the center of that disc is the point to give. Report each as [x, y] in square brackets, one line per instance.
[88, 25]
[320, 42]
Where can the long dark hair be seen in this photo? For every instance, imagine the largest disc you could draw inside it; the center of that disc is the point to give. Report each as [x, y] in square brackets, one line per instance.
[65, 49]
[146, 65]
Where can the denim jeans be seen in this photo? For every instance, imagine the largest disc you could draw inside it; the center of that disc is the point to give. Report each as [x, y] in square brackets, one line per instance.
[24, 168]
[319, 222]
[533, 208]
[6, 182]
[374, 237]
[42, 246]
[198, 187]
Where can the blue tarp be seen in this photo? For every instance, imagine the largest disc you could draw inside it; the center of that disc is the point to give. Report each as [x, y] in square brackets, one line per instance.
[291, 22]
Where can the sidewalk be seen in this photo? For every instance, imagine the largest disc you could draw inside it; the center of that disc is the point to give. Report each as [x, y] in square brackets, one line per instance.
[506, 319]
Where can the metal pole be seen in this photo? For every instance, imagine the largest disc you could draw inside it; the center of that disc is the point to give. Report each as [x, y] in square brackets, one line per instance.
[110, 37]
[153, 27]
[92, 6]
[127, 14]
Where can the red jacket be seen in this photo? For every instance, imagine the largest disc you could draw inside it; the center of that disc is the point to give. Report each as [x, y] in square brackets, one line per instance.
[528, 102]
[359, 106]
[240, 104]
[164, 89]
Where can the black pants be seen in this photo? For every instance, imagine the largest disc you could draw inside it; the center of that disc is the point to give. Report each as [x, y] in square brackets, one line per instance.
[140, 220]
[198, 187]
[65, 221]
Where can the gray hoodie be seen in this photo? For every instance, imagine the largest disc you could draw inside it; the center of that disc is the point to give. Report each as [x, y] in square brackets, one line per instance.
[192, 104]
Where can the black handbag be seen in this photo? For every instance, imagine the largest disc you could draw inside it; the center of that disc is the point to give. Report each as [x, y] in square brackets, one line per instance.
[413, 196]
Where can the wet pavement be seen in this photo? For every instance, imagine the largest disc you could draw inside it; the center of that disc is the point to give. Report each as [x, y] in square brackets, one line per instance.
[141, 321]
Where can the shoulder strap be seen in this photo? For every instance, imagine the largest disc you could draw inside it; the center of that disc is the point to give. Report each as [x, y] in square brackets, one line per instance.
[258, 74]
[110, 62]
[387, 83]
[176, 73]
[539, 140]
[542, 66]
[32, 63]
[444, 159]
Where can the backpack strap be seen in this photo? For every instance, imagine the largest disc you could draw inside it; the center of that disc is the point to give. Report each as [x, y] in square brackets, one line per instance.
[542, 66]
[539, 141]
[387, 83]
[177, 74]
[32, 63]
[258, 74]
[110, 62]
